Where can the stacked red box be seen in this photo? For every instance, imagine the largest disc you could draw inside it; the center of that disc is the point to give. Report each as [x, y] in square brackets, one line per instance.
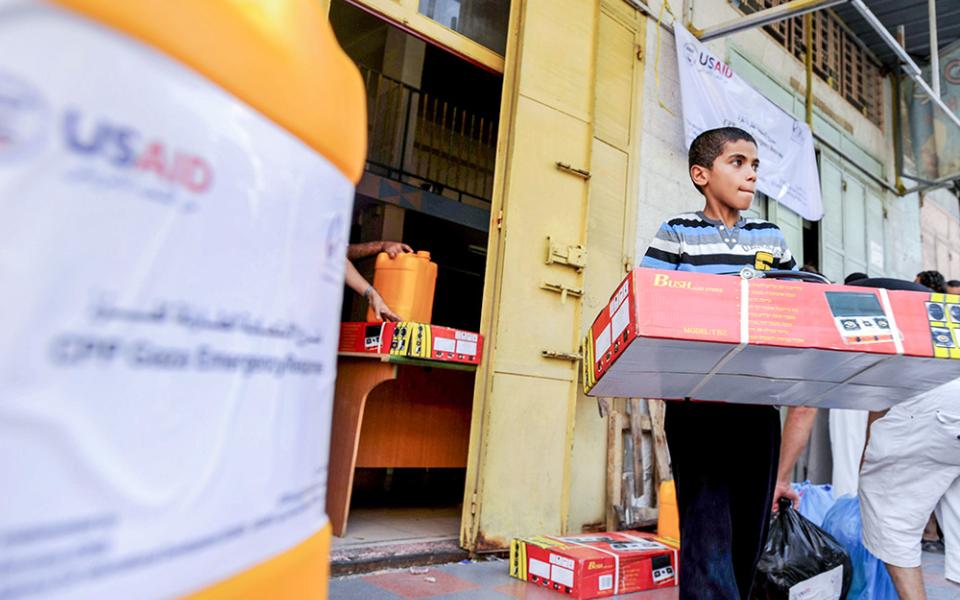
[595, 565]
[412, 340]
[672, 334]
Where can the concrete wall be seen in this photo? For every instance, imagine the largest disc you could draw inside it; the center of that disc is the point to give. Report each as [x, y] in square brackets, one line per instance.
[940, 232]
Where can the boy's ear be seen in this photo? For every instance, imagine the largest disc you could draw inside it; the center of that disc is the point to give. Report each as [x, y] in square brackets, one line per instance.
[699, 175]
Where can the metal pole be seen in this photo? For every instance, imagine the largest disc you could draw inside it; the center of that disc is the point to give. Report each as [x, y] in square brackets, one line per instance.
[794, 8]
[934, 47]
[911, 68]
[897, 122]
[808, 63]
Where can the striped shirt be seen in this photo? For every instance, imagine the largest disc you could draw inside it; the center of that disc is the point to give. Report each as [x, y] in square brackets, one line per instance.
[695, 242]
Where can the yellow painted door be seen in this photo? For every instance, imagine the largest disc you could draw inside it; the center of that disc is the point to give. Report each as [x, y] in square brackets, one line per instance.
[611, 230]
[562, 203]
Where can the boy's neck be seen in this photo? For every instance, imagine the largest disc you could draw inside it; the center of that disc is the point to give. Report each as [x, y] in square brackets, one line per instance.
[719, 211]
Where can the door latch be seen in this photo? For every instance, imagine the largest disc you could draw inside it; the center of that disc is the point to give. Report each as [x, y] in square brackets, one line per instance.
[567, 168]
[571, 356]
[571, 256]
[563, 290]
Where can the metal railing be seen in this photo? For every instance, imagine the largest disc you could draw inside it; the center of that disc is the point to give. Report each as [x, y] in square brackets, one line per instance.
[426, 141]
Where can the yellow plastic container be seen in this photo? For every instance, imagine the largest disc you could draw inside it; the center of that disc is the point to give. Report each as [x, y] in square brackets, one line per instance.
[406, 283]
[668, 519]
[280, 58]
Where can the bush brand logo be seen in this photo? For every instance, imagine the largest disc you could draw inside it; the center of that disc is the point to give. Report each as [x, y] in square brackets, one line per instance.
[662, 280]
[594, 565]
[124, 148]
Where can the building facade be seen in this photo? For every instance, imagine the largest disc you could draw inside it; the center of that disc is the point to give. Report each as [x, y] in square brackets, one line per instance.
[586, 160]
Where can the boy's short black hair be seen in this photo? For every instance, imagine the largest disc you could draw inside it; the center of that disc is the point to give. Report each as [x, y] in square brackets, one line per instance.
[953, 283]
[707, 146]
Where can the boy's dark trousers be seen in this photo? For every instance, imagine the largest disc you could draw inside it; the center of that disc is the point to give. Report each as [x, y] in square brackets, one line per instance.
[724, 459]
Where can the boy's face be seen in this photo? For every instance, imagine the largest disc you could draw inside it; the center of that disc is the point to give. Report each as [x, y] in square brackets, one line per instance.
[733, 178]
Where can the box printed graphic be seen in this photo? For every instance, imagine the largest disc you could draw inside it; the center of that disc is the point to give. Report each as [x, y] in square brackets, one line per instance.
[595, 565]
[412, 340]
[673, 335]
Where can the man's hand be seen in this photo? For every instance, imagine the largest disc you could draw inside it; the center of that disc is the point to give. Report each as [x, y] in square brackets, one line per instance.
[785, 490]
[796, 432]
[381, 311]
[394, 249]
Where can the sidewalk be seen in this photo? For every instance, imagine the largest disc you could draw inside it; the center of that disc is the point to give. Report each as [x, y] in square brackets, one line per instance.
[488, 580]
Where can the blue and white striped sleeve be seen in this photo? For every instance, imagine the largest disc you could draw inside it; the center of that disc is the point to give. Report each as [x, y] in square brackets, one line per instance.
[664, 250]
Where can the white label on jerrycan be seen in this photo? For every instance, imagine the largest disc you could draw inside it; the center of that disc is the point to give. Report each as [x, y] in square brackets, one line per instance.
[171, 268]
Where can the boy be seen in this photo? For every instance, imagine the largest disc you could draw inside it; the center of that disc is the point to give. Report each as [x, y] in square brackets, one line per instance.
[724, 456]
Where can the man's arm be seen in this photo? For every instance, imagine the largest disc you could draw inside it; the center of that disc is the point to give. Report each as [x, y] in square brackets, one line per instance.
[357, 283]
[365, 249]
[796, 434]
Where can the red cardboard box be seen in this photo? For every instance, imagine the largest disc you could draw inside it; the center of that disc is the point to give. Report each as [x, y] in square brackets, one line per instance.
[595, 565]
[674, 334]
[412, 340]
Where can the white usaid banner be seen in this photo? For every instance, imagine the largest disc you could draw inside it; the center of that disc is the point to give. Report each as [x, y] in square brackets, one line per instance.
[715, 96]
[172, 271]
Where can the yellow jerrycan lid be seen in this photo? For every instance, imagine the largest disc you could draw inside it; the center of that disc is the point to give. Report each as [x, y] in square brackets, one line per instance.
[278, 56]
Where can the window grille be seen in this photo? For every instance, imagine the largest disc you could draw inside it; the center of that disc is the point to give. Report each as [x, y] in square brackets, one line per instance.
[837, 57]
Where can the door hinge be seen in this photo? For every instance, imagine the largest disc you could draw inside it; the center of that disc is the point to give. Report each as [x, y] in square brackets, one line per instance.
[571, 356]
[473, 503]
[571, 256]
[499, 218]
[627, 263]
[573, 170]
[563, 290]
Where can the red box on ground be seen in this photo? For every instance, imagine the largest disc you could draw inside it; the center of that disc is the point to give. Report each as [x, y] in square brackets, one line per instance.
[674, 335]
[412, 340]
[595, 565]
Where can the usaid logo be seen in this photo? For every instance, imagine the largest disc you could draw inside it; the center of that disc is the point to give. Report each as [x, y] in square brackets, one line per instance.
[24, 119]
[706, 62]
[124, 148]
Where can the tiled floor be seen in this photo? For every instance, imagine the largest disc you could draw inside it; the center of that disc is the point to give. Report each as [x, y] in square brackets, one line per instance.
[488, 580]
[938, 588]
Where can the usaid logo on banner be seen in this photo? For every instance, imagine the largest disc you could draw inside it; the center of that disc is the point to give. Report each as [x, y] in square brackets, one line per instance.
[24, 119]
[709, 63]
[126, 149]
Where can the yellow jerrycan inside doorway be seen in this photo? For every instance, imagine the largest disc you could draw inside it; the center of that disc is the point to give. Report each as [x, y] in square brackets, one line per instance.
[176, 182]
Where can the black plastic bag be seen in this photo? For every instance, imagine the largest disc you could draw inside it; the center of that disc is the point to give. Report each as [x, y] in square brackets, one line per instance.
[802, 556]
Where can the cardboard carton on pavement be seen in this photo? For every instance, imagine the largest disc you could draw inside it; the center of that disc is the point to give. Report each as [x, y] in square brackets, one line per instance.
[595, 565]
[674, 335]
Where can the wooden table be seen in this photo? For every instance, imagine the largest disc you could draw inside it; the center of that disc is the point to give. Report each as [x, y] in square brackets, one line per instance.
[393, 411]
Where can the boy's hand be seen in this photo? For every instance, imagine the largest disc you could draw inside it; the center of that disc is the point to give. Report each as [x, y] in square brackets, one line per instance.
[393, 249]
[785, 490]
